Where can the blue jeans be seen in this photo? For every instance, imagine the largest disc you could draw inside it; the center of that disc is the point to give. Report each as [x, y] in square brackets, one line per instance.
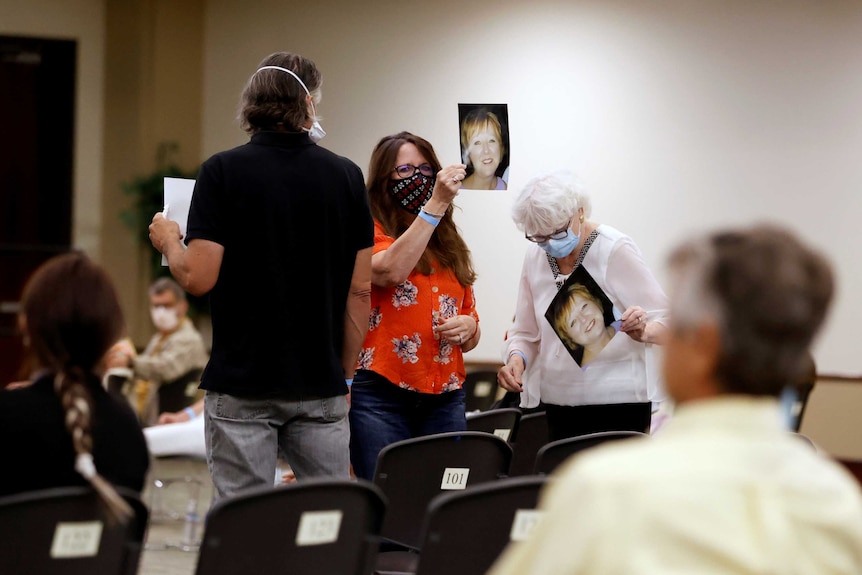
[244, 435]
[382, 413]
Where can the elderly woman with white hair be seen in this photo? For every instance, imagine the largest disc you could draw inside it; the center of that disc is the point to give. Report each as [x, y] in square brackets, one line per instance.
[618, 388]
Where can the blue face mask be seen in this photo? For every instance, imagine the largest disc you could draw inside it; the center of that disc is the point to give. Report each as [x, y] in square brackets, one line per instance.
[563, 247]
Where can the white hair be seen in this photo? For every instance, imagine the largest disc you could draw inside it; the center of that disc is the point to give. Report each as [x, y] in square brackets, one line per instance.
[548, 201]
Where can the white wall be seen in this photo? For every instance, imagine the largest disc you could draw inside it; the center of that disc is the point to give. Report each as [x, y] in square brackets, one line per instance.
[84, 22]
[679, 115]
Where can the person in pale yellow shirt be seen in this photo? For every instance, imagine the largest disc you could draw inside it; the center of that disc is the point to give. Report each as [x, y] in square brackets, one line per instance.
[725, 488]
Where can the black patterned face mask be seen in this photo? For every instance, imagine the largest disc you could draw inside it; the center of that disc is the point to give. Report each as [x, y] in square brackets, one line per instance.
[412, 192]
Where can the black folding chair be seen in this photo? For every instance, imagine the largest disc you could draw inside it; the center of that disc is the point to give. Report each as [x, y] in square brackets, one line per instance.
[553, 454]
[501, 422]
[465, 531]
[480, 390]
[69, 531]
[532, 435]
[411, 472]
[179, 393]
[306, 528]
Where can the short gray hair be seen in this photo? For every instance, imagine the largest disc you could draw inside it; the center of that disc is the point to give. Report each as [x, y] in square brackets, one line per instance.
[767, 292]
[548, 201]
[164, 284]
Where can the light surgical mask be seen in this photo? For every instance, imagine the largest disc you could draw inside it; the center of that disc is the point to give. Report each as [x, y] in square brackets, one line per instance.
[560, 248]
[164, 318]
[315, 133]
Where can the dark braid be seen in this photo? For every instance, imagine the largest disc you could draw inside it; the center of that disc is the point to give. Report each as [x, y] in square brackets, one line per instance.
[77, 404]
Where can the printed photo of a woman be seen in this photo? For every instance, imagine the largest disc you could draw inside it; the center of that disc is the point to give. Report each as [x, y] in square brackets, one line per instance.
[484, 146]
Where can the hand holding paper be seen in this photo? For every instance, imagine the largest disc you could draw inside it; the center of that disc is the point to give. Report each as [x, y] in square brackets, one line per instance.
[178, 200]
[163, 233]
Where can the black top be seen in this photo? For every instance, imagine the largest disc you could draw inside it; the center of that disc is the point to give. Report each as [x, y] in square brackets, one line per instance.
[37, 451]
[291, 217]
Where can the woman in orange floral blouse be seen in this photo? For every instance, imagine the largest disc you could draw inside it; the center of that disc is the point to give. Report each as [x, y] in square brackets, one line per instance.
[410, 372]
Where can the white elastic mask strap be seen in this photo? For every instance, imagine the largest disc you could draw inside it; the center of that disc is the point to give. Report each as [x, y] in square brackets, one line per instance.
[316, 132]
[298, 79]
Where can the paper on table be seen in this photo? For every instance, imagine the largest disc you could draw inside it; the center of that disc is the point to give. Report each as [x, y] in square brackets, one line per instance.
[178, 195]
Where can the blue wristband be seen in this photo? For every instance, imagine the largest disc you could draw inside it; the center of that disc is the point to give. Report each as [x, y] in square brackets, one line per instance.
[428, 218]
[348, 381]
[519, 352]
[190, 412]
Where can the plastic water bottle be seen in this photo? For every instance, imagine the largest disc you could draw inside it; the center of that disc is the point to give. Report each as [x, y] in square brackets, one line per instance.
[190, 529]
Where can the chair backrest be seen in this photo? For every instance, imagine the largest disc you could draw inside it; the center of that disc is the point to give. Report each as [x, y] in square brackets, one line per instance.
[480, 389]
[311, 527]
[532, 434]
[115, 378]
[552, 454]
[68, 531]
[465, 531]
[799, 392]
[179, 393]
[411, 472]
[501, 422]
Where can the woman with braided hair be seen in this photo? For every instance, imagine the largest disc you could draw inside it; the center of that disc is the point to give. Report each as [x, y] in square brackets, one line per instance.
[64, 429]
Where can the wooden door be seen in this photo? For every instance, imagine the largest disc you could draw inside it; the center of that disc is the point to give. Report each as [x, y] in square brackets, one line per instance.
[37, 103]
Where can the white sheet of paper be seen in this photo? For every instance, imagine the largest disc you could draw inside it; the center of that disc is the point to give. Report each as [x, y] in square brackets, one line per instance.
[178, 198]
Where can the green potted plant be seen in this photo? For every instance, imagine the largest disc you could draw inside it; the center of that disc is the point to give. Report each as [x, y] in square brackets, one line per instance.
[147, 193]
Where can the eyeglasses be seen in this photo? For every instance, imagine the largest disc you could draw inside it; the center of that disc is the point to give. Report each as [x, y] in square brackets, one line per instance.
[408, 170]
[557, 235]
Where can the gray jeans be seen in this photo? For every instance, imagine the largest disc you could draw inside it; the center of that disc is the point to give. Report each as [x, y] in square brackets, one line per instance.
[244, 435]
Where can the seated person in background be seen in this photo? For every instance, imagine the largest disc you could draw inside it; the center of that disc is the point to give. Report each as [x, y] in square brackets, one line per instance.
[725, 488]
[64, 429]
[174, 351]
[178, 433]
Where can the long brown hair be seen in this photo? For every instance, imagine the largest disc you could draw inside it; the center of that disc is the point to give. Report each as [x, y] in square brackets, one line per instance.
[71, 317]
[446, 245]
[273, 99]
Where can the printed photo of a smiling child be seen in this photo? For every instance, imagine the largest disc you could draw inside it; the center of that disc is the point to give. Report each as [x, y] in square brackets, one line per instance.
[583, 317]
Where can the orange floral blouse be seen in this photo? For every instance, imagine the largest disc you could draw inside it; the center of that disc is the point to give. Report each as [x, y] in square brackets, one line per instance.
[400, 344]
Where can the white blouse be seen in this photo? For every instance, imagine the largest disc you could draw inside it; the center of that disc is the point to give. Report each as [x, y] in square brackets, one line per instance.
[625, 371]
